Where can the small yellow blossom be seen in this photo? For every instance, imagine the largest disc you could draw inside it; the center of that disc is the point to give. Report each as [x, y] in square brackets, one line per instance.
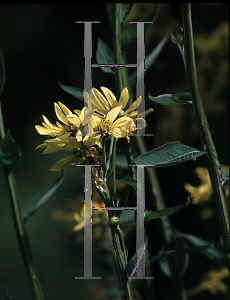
[103, 105]
[109, 125]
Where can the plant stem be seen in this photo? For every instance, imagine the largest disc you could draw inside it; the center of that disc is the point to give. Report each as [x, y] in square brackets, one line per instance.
[19, 227]
[114, 173]
[213, 164]
[139, 144]
[122, 264]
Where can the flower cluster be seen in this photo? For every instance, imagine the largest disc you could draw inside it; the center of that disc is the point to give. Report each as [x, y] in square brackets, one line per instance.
[85, 127]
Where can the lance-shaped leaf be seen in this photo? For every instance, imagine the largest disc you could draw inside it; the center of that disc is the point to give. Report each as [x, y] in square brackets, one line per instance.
[184, 251]
[130, 33]
[178, 41]
[2, 73]
[41, 198]
[104, 56]
[127, 180]
[212, 253]
[75, 92]
[172, 100]
[135, 260]
[166, 212]
[225, 177]
[150, 59]
[170, 154]
[125, 11]
[10, 152]
[128, 216]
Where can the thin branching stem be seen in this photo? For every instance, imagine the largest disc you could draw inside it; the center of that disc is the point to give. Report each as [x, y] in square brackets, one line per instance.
[213, 164]
[19, 226]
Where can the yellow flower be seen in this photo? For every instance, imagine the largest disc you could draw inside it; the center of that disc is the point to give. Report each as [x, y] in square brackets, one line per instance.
[66, 137]
[109, 125]
[103, 105]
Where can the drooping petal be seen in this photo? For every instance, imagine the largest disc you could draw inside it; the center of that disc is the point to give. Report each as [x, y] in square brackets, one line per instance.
[124, 98]
[118, 133]
[140, 123]
[60, 114]
[64, 108]
[60, 140]
[63, 162]
[123, 122]
[110, 97]
[112, 114]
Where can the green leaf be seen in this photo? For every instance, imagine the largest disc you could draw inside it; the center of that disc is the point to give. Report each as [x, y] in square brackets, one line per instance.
[127, 216]
[104, 56]
[212, 253]
[2, 73]
[41, 198]
[150, 59]
[135, 260]
[173, 100]
[166, 211]
[10, 152]
[170, 154]
[125, 11]
[75, 92]
[184, 251]
[225, 177]
[130, 33]
[179, 42]
[127, 180]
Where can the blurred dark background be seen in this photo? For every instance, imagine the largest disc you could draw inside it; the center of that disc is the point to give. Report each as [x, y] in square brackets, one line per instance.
[43, 46]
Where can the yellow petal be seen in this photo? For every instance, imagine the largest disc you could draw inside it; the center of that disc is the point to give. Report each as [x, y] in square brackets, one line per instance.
[61, 140]
[140, 123]
[49, 123]
[109, 96]
[141, 115]
[112, 114]
[51, 149]
[79, 136]
[74, 119]
[64, 108]
[123, 122]
[60, 114]
[63, 162]
[134, 106]
[124, 98]
[46, 131]
[99, 102]
[41, 146]
[72, 145]
[119, 133]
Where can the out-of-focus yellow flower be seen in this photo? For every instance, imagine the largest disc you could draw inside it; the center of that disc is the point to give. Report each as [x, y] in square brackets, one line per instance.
[110, 126]
[212, 283]
[103, 105]
[203, 192]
